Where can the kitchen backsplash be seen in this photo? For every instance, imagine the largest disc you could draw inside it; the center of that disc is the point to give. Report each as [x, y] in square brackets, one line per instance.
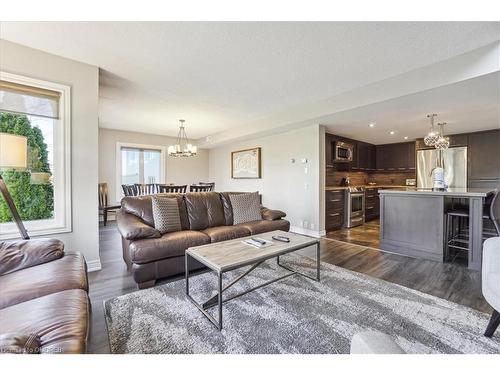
[334, 178]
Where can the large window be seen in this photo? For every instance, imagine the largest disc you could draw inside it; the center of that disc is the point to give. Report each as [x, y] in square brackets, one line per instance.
[139, 164]
[38, 110]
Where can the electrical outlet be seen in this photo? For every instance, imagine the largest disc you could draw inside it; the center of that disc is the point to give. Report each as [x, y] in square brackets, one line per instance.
[306, 224]
[302, 223]
[312, 226]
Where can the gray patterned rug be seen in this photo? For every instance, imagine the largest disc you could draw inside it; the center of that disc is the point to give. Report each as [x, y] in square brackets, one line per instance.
[294, 315]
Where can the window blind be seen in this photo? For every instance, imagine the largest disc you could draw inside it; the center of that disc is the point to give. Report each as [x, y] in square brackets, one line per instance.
[29, 100]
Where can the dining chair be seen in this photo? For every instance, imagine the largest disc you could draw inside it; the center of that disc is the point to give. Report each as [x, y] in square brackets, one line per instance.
[104, 206]
[211, 184]
[172, 188]
[147, 189]
[200, 188]
[130, 190]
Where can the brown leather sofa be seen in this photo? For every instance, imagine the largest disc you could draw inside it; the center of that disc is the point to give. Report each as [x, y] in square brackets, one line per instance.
[205, 218]
[44, 304]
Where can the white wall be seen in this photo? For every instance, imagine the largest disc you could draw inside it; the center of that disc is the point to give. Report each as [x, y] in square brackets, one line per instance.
[84, 82]
[181, 171]
[284, 185]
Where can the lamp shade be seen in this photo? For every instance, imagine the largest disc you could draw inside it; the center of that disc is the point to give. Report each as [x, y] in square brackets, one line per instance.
[13, 151]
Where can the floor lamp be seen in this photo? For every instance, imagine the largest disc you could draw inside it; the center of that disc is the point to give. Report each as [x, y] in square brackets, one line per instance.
[13, 155]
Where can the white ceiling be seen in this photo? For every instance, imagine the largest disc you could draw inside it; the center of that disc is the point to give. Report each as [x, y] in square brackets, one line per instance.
[473, 104]
[223, 75]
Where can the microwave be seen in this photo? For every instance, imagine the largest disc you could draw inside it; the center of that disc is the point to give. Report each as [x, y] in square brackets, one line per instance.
[342, 152]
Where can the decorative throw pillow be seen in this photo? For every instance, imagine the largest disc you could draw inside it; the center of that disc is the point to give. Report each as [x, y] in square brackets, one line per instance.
[166, 214]
[246, 207]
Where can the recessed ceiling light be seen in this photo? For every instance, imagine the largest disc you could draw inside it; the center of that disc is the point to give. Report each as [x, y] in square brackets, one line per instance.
[392, 132]
[371, 124]
[406, 137]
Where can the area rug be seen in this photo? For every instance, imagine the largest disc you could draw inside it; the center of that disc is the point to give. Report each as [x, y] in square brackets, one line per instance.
[294, 315]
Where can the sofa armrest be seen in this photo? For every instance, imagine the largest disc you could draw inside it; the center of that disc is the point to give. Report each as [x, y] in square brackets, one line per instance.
[19, 343]
[133, 228]
[16, 255]
[268, 214]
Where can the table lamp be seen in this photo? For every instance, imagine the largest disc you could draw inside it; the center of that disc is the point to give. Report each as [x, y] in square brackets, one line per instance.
[13, 155]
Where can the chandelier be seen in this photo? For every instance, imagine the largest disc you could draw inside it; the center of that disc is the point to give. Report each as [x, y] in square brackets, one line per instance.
[182, 147]
[442, 143]
[431, 137]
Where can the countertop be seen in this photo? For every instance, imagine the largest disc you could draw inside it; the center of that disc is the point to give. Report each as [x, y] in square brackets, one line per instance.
[367, 187]
[456, 192]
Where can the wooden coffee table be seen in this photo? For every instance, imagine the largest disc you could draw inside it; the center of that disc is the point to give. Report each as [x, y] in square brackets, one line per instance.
[229, 255]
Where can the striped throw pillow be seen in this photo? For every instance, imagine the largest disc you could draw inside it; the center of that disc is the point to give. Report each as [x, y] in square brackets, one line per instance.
[246, 207]
[166, 214]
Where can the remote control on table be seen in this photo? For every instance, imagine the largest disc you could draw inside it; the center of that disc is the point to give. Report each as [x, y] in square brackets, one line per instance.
[281, 238]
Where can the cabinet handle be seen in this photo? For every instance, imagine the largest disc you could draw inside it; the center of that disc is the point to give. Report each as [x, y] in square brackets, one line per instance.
[370, 196]
[391, 169]
[337, 214]
[370, 208]
[334, 200]
[401, 169]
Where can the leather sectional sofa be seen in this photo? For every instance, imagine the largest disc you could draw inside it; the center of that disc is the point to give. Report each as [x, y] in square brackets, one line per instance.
[205, 218]
[44, 303]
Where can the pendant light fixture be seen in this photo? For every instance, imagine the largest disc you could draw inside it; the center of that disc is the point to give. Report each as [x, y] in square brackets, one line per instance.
[182, 148]
[442, 143]
[433, 135]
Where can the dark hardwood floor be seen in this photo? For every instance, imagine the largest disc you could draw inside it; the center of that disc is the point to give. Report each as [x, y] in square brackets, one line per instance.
[449, 281]
[364, 235]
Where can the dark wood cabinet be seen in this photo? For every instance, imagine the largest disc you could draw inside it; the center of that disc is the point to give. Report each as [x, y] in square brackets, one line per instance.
[395, 157]
[484, 159]
[366, 156]
[334, 213]
[372, 204]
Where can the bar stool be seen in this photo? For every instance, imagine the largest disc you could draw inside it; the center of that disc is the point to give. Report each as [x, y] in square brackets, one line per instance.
[457, 223]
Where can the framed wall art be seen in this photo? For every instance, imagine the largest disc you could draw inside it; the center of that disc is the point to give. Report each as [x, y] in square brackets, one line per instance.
[246, 163]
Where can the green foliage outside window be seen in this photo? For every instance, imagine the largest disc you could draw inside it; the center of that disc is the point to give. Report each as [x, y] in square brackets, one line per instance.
[33, 202]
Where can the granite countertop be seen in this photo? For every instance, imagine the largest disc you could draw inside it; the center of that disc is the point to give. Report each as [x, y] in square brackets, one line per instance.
[367, 187]
[452, 192]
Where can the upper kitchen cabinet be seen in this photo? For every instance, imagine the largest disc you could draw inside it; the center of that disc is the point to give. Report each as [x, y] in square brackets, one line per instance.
[484, 159]
[395, 156]
[366, 159]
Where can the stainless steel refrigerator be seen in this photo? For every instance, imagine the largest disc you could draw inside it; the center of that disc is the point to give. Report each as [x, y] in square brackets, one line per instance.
[454, 163]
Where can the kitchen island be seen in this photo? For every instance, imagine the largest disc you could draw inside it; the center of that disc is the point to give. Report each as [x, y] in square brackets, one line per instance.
[412, 222]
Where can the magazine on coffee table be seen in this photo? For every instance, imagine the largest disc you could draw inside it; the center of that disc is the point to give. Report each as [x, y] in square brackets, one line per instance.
[257, 242]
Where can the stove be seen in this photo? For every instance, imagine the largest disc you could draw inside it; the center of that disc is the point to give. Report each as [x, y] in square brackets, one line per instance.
[354, 207]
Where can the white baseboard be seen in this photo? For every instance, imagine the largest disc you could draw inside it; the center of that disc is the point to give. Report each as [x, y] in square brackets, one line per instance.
[308, 232]
[94, 265]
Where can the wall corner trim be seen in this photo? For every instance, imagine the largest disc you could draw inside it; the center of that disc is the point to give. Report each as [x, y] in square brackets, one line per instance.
[94, 265]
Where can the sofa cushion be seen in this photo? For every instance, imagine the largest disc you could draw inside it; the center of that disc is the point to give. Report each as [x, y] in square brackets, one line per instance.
[166, 214]
[204, 210]
[246, 207]
[224, 233]
[167, 246]
[65, 273]
[17, 255]
[228, 208]
[141, 207]
[261, 226]
[61, 320]
[15, 343]
[132, 227]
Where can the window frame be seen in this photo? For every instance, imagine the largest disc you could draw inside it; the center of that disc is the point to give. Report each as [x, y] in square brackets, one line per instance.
[62, 221]
[120, 145]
